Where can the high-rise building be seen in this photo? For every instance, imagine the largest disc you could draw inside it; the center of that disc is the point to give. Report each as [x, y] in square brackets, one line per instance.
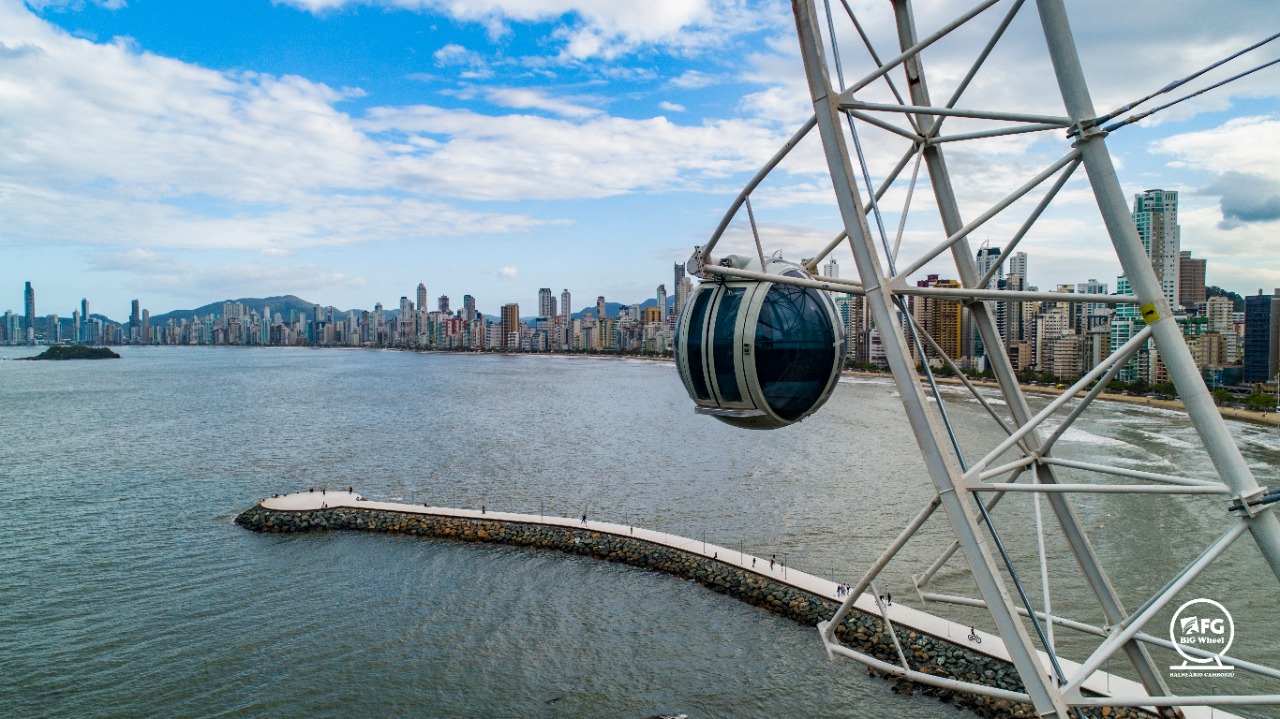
[422, 296]
[831, 269]
[442, 304]
[682, 288]
[853, 314]
[1220, 311]
[942, 319]
[1155, 214]
[601, 312]
[1017, 267]
[566, 305]
[544, 302]
[1261, 337]
[146, 327]
[29, 315]
[989, 257]
[1092, 314]
[1191, 290]
[662, 303]
[135, 322]
[1125, 323]
[511, 326]
[468, 308]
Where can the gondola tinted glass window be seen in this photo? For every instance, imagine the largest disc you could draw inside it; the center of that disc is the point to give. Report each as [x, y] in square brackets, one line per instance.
[794, 350]
[722, 345]
[696, 320]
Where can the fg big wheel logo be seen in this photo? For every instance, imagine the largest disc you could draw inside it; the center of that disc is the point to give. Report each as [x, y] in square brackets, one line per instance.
[1202, 632]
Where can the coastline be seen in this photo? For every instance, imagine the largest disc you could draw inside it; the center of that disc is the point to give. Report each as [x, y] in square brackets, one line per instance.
[1271, 419]
[1268, 419]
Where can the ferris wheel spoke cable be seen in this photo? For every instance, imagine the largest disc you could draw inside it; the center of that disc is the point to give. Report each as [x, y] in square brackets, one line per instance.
[1143, 115]
[1179, 83]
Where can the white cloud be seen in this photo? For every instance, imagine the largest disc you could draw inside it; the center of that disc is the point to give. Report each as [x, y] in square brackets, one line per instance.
[523, 98]
[75, 4]
[508, 273]
[111, 146]
[186, 276]
[542, 158]
[671, 106]
[588, 29]
[1249, 145]
[692, 80]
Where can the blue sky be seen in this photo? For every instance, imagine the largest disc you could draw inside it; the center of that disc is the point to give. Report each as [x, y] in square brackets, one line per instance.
[343, 151]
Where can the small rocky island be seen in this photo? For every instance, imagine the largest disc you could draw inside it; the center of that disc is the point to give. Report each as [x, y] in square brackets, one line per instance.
[75, 352]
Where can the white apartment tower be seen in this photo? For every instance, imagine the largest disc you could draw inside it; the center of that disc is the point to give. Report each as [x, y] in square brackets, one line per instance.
[989, 257]
[682, 286]
[1017, 267]
[1155, 213]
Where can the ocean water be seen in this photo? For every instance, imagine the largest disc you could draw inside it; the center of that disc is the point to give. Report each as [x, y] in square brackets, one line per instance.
[128, 591]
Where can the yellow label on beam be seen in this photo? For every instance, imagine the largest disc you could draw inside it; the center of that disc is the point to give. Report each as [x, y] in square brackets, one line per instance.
[1149, 314]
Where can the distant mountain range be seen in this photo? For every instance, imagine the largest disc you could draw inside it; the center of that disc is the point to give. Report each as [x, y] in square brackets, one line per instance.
[282, 305]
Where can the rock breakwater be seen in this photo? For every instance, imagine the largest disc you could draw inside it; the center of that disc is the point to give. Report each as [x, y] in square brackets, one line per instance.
[862, 631]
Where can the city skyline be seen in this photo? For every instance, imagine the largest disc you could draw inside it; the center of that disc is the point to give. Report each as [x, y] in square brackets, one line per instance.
[229, 150]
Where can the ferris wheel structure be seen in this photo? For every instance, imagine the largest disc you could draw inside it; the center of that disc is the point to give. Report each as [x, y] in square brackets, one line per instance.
[968, 488]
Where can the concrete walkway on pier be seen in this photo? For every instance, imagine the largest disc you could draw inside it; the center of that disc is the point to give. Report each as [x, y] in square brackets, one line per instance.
[902, 616]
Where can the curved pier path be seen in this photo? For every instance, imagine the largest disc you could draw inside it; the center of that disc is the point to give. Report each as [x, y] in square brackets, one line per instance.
[931, 643]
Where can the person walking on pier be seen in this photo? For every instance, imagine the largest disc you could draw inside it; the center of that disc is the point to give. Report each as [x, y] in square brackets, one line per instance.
[584, 519]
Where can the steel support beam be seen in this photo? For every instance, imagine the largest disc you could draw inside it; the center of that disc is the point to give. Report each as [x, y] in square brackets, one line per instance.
[1222, 449]
[984, 322]
[941, 466]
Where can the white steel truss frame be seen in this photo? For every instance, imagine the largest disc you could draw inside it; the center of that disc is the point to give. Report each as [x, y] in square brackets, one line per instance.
[960, 487]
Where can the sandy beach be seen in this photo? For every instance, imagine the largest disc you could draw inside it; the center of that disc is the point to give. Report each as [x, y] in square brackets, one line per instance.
[1243, 415]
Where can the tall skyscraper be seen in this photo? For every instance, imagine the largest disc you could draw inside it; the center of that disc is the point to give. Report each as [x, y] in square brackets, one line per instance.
[1092, 314]
[85, 324]
[1017, 267]
[831, 269]
[468, 308]
[1155, 214]
[662, 303]
[989, 257]
[29, 316]
[600, 309]
[511, 326]
[1191, 291]
[942, 319]
[566, 305]
[442, 304]
[544, 302]
[1261, 337]
[682, 286]
[422, 296]
[135, 322]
